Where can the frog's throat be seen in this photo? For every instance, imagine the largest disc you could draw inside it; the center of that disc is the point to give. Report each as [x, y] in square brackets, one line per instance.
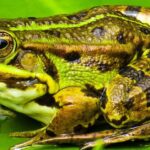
[23, 99]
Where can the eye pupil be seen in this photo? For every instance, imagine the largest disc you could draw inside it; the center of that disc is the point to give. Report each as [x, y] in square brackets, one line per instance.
[3, 43]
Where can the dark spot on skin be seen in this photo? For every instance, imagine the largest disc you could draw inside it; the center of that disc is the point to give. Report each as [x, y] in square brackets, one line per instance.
[145, 30]
[119, 122]
[148, 97]
[52, 70]
[129, 104]
[132, 73]
[98, 31]
[103, 99]
[120, 38]
[103, 67]
[32, 18]
[132, 11]
[72, 56]
[53, 32]
[79, 129]
[47, 100]
[91, 91]
[78, 16]
[50, 133]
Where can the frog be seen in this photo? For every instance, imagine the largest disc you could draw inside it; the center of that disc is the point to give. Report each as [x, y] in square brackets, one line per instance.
[70, 71]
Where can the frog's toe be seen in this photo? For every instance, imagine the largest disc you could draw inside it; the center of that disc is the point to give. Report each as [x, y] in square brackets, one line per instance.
[88, 145]
[130, 134]
[28, 134]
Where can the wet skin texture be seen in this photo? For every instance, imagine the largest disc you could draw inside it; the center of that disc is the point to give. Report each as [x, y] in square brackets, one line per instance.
[66, 71]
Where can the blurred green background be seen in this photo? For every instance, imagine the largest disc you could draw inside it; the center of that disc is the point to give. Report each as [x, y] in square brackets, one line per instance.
[41, 8]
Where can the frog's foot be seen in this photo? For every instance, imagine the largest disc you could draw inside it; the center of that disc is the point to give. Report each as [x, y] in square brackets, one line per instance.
[134, 133]
[35, 136]
[29, 142]
[28, 134]
[6, 112]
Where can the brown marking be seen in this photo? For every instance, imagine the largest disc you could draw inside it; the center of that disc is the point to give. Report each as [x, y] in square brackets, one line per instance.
[129, 104]
[47, 100]
[119, 122]
[91, 91]
[72, 56]
[52, 70]
[62, 49]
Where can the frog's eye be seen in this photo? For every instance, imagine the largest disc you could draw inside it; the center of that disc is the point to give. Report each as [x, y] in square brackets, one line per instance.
[7, 44]
[3, 43]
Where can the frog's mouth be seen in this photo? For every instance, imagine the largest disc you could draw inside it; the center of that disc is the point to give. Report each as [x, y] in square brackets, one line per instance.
[19, 90]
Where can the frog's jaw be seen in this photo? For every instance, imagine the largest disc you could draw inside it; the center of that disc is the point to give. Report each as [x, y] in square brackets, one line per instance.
[23, 99]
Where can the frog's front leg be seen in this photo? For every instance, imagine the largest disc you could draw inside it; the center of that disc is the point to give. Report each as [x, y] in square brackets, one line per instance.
[76, 108]
[128, 94]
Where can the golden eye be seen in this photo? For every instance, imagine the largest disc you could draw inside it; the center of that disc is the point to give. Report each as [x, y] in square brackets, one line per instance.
[7, 44]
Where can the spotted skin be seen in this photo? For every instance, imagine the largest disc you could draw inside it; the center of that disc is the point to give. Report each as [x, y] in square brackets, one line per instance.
[89, 64]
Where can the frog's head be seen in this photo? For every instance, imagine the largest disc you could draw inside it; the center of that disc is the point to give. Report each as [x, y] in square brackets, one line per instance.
[23, 78]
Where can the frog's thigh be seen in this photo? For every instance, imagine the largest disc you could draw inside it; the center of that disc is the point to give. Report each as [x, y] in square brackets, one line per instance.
[127, 101]
[76, 108]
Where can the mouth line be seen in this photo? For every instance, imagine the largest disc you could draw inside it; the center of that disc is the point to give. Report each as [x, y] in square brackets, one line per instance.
[19, 83]
[9, 74]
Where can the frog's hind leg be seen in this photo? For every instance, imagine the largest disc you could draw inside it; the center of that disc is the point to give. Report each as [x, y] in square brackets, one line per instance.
[131, 134]
[35, 136]
[128, 96]
[138, 132]
[107, 137]
[28, 134]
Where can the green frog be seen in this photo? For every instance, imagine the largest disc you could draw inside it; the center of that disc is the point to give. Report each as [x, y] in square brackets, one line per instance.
[68, 71]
